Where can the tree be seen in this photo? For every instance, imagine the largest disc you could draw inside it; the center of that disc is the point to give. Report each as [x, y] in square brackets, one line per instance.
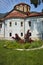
[42, 10]
[36, 2]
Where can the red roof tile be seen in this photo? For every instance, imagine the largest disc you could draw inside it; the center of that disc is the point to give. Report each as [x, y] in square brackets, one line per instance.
[15, 14]
[35, 14]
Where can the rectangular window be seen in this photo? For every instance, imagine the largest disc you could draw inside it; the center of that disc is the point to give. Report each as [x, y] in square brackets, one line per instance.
[29, 23]
[21, 34]
[21, 24]
[10, 34]
[15, 23]
[10, 24]
[0, 25]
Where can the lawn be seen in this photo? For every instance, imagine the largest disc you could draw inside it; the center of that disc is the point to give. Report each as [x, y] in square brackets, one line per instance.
[10, 56]
[16, 45]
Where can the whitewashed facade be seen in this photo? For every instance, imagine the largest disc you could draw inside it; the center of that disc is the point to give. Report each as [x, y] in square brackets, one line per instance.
[14, 28]
[36, 28]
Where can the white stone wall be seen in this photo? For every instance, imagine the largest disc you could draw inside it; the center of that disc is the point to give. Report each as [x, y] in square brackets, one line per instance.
[2, 30]
[36, 27]
[14, 28]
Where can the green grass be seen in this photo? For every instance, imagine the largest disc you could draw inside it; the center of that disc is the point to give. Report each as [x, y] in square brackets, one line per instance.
[13, 57]
[15, 45]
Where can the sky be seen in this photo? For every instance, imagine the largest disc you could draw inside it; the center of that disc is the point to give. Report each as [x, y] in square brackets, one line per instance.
[8, 5]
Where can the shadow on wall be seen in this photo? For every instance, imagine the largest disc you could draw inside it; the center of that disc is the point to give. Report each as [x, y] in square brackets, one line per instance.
[36, 27]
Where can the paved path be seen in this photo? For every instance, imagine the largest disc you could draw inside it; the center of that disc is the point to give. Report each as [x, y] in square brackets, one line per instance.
[30, 49]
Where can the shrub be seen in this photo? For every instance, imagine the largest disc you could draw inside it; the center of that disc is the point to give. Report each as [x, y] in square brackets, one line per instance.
[14, 44]
[21, 41]
[17, 38]
[35, 44]
[27, 38]
[27, 45]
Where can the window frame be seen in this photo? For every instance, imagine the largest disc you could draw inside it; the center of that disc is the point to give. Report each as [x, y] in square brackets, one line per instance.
[15, 23]
[21, 33]
[10, 24]
[10, 34]
[21, 24]
[29, 23]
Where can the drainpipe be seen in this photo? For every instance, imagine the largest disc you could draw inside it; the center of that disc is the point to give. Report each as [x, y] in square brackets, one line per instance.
[24, 30]
[4, 29]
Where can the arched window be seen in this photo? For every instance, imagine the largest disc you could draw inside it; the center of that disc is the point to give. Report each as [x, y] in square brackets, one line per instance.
[10, 34]
[21, 24]
[15, 23]
[29, 23]
[21, 34]
[10, 24]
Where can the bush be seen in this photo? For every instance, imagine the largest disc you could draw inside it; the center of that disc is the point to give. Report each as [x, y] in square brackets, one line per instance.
[36, 44]
[17, 38]
[27, 37]
[14, 44]
[27, 45]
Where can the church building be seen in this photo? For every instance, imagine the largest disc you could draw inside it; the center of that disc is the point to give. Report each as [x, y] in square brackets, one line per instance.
[20, 20]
